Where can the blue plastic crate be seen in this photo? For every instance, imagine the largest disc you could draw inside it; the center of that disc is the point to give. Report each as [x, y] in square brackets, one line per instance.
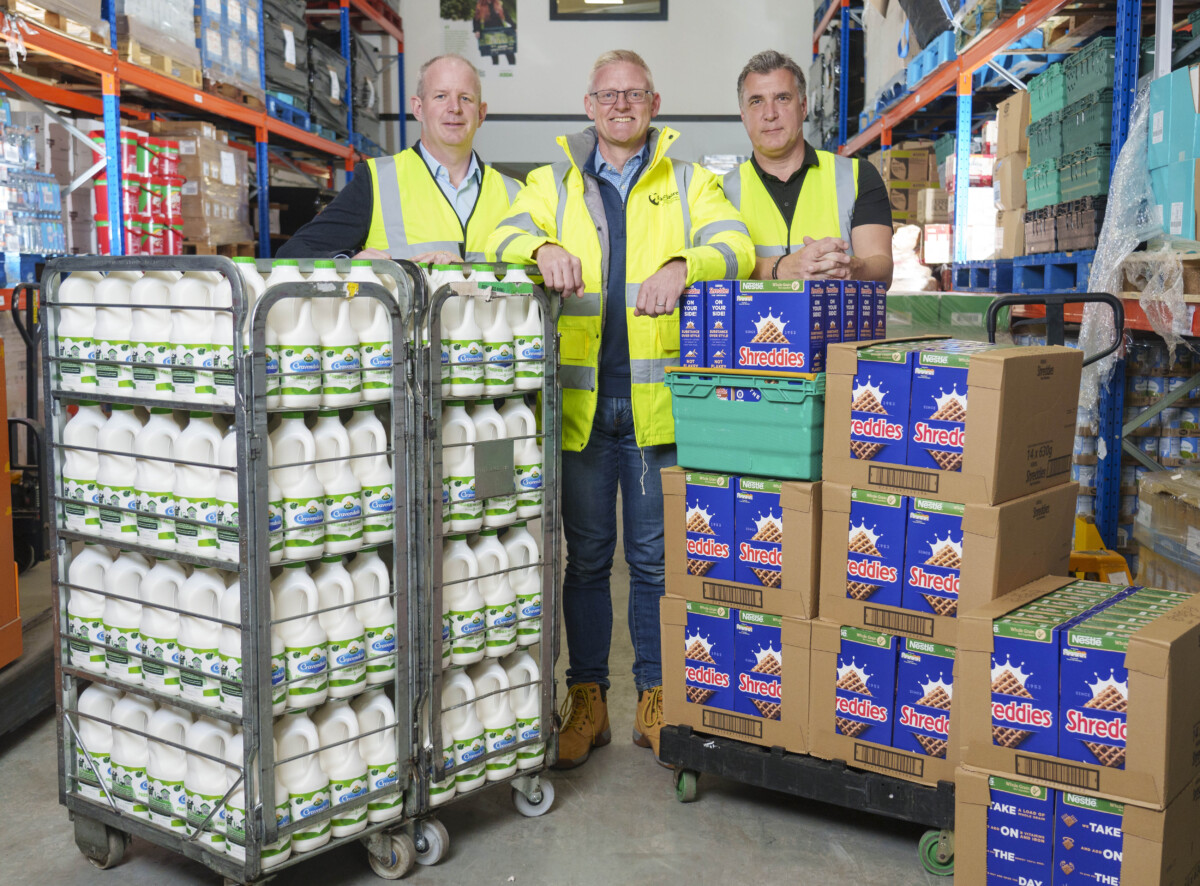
[1052, 272]
[288, 113]
[984, 276]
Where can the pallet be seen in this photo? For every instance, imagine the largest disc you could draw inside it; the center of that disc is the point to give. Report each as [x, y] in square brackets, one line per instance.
[288, 113]
[984, 276]
[77, 27]
[233, 94]
[326, 133]
[1052, 272]
[132, 51]
[229, 250]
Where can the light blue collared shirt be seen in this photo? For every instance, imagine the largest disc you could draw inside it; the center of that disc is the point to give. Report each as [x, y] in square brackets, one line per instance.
[624, 179]
[464, 196]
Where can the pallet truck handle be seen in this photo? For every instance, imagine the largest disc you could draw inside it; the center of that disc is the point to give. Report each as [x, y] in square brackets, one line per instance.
[29, 327]
[1055, 304]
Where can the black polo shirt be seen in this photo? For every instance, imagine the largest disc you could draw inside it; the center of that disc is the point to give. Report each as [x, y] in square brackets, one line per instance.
[871, 207]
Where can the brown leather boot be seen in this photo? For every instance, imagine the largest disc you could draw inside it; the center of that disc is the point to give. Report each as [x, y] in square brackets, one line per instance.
[584, 725]
[649, 721]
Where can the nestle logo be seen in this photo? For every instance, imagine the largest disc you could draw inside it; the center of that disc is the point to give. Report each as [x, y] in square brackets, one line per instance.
[1045, 371]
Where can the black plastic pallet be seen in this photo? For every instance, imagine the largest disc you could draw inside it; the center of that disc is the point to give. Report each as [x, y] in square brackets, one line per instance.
[830, 781]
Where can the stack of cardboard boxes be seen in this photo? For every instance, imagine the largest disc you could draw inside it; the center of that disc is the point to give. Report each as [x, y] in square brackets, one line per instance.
[1008, 182]
[980, 218]
[907, 169]
[215, 206]
[1173, 153]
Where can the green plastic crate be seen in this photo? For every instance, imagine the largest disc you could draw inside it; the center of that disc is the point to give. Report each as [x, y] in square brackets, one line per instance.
[1047, 92]
[912, 315]
[1084, 173]
[1088, 121]
[1091, 68]
[1045, 139]
[1042, 187]
[943, 148]
[738, 422]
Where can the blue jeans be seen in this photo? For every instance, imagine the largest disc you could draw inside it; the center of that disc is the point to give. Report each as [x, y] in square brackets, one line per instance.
[589, 507]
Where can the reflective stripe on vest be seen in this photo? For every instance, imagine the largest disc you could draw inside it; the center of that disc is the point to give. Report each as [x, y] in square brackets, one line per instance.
[825, 207]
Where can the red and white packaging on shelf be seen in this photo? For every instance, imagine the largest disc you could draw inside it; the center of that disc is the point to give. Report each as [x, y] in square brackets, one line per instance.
[981, 166]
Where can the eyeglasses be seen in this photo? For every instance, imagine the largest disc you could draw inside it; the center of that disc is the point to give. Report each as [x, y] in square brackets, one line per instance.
[609, 96]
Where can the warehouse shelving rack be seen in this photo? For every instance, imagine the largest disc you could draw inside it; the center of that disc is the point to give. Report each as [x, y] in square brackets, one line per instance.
[370, 16]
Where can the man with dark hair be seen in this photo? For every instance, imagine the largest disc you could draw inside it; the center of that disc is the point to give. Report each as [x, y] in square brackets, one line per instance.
[811, 214]
[436, 201]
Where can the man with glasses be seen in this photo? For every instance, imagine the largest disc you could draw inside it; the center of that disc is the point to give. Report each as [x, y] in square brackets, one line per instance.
[811, 214]
[620, 230]
[436, 201]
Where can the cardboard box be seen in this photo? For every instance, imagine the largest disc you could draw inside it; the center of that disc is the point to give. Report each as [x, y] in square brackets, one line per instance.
[1004, 547]
[907, 166]
[1163, 709]
[1010, 233]
[933, 206]
[938, 245]
[796, 595]
[903, 197]
[1008, 181]
[1020, 429]
[181, 128]
[1180, 203]
[828, 744]
[789, 731]
[1012, 116]
[1158, 847]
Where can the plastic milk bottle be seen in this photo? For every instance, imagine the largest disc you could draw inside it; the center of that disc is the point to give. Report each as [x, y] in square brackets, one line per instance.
[466, 353]
[460, 590]
[304, 639]
[499, 510]
[373, 325]
[229, 648]
[154, 481]
[192, 335]
[337, 724]
[116, 474]
[81, 512]
[497, 344]
[500, 601]
[151, 333]
[525, 318]
[458, 701]
[378, 749]
[343, 492]
[205, 783]
[528, 463]
[300, 360]
[525, 695]
[113, 332]
[307, 784]
[376, 610]
[85, 607]
[293, 444]
[283, 312]
[458, 469]
[341, 361]
[76, 325]
[93, 774]
[200, 636]
[440, 791]
[499, 724]
[527, 583]
[166, 766]
[229, 545]
[368, 445]
[123, 616]
[324, 310]
[160, 627]
[196, 486]
[347, 644]
[130, 754]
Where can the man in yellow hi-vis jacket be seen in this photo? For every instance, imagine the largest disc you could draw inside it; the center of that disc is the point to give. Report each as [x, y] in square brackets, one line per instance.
[436, 201]
[624, 229]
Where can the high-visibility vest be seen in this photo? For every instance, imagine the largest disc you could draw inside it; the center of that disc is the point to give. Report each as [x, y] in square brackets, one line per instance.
[412, 216]
[675, 210]
[825, 207]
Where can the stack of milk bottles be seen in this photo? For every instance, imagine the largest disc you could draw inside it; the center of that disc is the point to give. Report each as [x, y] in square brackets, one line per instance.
[150, 439]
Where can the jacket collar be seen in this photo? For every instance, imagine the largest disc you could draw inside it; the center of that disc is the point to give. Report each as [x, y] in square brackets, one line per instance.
[578, 147]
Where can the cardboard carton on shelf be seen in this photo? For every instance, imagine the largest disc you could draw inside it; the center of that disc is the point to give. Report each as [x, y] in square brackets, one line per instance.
[938, 245]
[1162, 660]
[1010, 233]
[771, 671]
[795, 595]
[1003, 547]
[1012, 117]
[1018, 434]
[1008, 182]
[829, 702]
[933, 206]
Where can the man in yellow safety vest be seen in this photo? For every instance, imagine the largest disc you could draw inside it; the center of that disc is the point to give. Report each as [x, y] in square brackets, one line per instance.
[624, 229]
[811, 214]
[434, 202]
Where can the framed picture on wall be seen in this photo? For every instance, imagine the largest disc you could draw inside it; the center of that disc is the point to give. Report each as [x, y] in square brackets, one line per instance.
[608, 10]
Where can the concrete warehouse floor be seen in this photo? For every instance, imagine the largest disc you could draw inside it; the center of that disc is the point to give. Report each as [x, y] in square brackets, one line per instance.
[615, 821]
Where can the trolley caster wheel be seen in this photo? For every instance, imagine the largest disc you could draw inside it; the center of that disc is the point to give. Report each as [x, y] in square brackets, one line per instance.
[105, 852]
[539, 803]
[936, 849]
[432, 841]
[685, 785]
[401, 857]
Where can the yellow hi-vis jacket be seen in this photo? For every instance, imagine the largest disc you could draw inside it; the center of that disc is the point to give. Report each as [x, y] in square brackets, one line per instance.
[412, 216]
[675, 210]
[824, 209]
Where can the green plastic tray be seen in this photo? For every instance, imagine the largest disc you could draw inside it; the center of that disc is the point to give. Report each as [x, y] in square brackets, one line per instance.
[1084, 173]
[1045, 138]
[1047, 92]
[1042, 187]
[738, 422]
[1088, 121]
[1091, 69]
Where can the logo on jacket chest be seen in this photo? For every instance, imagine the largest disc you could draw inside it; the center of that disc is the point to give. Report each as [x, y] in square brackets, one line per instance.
[664, 199]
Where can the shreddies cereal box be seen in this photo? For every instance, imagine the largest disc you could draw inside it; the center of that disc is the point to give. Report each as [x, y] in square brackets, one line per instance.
[759, 664]
[780, 325]
[709, 658]
[693, 328]
[710, 524]
[1020, 832]
[875, 547]
[924, 689]
[866, 685]
[759, 535]
[879, 403]
[933, 556]
[718, 307]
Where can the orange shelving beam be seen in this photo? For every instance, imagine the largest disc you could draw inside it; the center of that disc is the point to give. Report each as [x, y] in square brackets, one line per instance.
[834, 8]
[993, 42]
[383, 15]
[1135, 315]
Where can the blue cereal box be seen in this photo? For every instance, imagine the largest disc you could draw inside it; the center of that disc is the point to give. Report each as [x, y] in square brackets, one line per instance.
[1088, 840]
[710, 524]
[924, 688]
[848, 306]
[760, 664]
[710, 659]
[759, 533]
[833, 312]
[1094, 697]
[718, 307]
[875, 547]
[933, 552]
[938, 415]
[866, 310]
[1025, 684]
[693, 329]
[1020, 832]
[879, 401]
[779, 325]
[865, 696]
[879, 312]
